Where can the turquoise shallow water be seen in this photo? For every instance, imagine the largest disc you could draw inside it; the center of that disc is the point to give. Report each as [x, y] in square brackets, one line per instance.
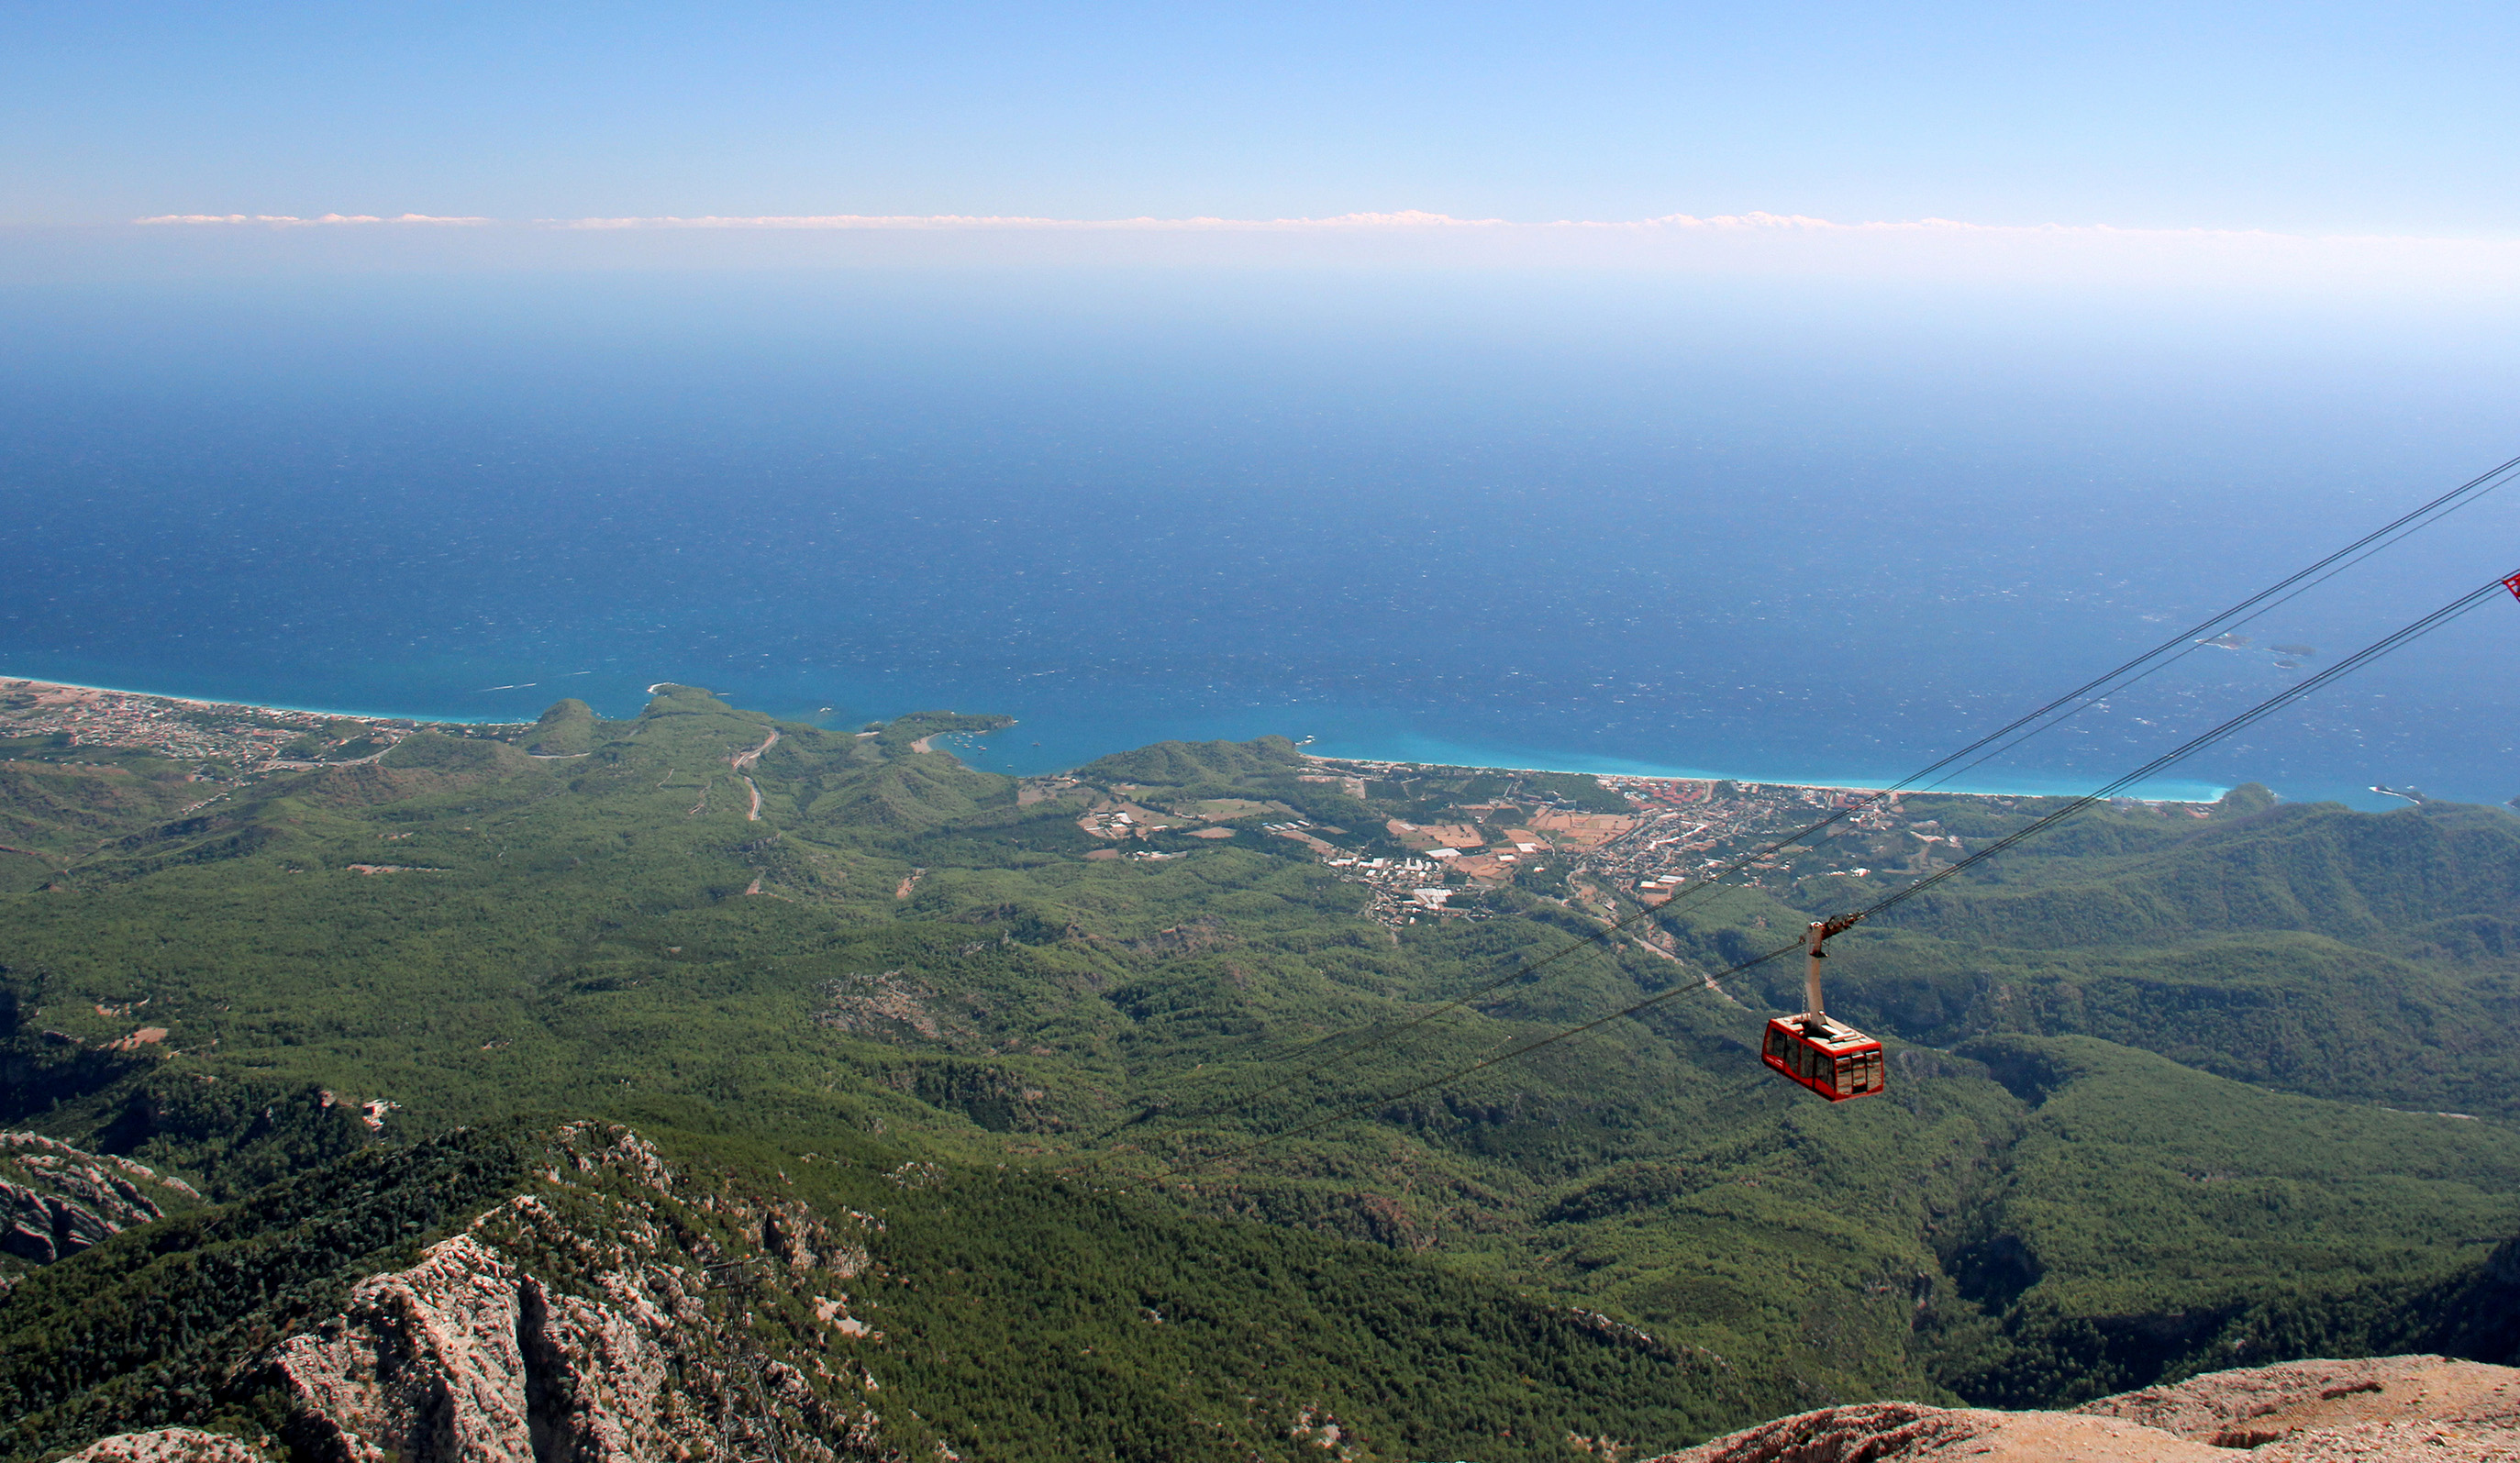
[1569, 524]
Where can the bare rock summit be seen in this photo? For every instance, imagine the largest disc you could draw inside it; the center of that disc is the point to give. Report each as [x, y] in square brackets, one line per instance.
[2388, 1409]
[165, 1445]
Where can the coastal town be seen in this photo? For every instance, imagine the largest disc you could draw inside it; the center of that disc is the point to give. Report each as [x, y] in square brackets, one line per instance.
[72, 725]
[1675, 831]
[1428, 840]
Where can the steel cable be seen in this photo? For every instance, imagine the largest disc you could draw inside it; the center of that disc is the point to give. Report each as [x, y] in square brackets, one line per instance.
[2378, 648]
[2029, 724]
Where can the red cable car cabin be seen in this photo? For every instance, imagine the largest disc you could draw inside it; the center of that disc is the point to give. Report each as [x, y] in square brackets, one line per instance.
[1836, 1061]
[1830, 1057]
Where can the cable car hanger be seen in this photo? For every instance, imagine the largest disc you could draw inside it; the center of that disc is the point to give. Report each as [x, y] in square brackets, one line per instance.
[1830, 1057]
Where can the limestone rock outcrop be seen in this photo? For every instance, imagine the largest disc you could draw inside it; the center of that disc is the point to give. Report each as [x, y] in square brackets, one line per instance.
[529, 1339]
[2391, 1410]
[57, 1200]
[165, 1445]
[1900, 1432]
[428, 1362]
[2380, 1408]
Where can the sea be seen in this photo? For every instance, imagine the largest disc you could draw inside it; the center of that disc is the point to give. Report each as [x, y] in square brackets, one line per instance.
[1788, 530]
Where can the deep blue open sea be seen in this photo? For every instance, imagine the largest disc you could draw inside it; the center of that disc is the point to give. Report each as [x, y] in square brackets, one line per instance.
[1594, 522]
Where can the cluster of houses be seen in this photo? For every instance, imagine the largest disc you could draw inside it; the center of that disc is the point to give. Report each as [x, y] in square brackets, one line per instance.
[247, 737]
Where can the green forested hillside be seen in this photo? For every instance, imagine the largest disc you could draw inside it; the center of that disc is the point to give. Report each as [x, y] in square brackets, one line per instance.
[830, 943]
[1192, 764]
[53, 810]
[2146, 1212]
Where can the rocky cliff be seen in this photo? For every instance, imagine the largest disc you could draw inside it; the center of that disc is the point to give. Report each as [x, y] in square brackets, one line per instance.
[57, 1200]
[608, 1318]
[2391, 1410]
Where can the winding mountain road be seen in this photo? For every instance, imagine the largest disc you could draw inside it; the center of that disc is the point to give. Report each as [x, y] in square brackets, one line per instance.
[742, 760]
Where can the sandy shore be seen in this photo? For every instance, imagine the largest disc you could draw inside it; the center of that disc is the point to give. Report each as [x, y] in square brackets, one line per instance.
[71, 693]
[1621, 779]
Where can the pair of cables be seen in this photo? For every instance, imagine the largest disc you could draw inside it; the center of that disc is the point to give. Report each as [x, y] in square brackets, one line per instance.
[1993, 744]
[2492, 589]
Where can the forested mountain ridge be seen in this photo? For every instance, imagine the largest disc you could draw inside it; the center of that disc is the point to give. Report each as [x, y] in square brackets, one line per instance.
[754, 940]
[2441, 878]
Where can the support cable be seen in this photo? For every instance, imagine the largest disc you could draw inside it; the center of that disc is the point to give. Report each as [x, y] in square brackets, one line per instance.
[2378, 648]
[2028, 725]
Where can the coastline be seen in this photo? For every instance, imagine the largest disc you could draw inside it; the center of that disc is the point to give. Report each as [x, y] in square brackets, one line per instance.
[1621, 779]
[1446, 756]
[220, 738]
[2187, 792]
[42, 684]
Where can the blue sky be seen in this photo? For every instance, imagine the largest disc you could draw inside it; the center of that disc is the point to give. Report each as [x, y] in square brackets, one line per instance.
[2307, 118]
